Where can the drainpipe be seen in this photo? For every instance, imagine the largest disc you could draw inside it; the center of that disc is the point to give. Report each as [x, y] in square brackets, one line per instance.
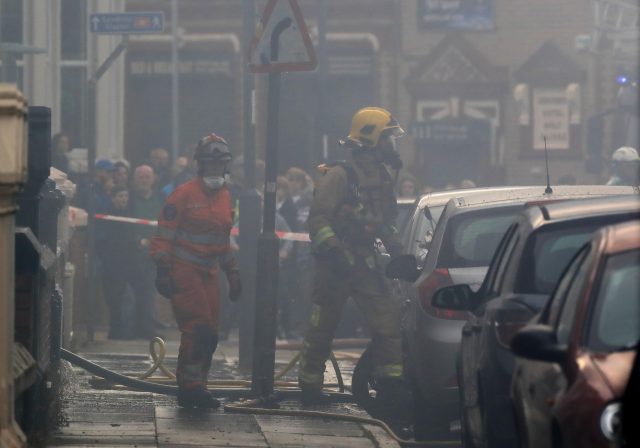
[13, 169]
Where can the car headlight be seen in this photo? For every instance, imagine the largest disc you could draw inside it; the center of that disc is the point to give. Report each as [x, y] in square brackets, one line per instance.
[610, 421]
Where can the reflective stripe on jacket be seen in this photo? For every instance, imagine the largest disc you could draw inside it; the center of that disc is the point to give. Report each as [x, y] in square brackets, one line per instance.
[194, 226]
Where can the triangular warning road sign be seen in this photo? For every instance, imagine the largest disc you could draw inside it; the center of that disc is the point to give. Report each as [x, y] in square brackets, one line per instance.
[282, 42]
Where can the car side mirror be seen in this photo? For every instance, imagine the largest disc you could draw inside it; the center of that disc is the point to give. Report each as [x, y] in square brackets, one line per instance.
[404, 267]
[455, 297]
[539, 343]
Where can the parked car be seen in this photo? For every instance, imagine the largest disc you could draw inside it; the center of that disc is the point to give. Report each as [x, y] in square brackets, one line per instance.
[575, 358]
[417, 231]
[467, 233]
[522, 274]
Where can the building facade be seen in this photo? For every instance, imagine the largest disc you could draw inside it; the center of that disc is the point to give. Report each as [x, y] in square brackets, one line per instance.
[482, 85]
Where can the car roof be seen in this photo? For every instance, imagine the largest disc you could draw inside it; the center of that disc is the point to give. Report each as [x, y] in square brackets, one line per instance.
[442, 197]
[621, 237]
[405, 202]
[536, 194]
[541, 213]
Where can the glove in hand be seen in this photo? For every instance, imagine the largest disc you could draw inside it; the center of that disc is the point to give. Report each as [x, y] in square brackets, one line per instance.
[164, 282]
[235, 285]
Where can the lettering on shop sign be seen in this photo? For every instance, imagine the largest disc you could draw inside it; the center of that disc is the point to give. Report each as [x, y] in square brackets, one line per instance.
[550, 119]
[474, 15]
[193, 67]
[451, 131]
[151, 22]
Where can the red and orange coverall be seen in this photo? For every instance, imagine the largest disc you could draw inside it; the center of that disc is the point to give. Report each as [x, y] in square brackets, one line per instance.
[193, 238]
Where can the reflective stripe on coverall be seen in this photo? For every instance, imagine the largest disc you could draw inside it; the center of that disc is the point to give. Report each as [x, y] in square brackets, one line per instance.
[352, 228]
[193, 231]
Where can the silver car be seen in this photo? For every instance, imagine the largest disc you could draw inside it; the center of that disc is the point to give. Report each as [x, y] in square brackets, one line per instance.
[465, 238]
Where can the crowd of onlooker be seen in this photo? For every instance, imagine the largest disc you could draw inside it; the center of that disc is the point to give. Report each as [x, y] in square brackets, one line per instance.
[124, 268]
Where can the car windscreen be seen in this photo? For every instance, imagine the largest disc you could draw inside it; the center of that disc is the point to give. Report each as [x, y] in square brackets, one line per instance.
[471, 238]
[422, 226]
[615, 323]
[549, 250]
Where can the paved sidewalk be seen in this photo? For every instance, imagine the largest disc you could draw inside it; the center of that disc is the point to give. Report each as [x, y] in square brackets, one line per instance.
[93, 417]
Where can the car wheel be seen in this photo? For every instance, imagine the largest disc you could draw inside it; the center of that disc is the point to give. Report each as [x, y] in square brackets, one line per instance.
[362, 381]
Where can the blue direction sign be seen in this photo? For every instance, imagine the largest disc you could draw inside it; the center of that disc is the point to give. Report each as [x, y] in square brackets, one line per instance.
[127, 23]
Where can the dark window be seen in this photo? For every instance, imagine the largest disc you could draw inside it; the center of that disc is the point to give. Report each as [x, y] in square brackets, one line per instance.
[488, 287]
[549, 250]
[11, 21]
[572, 298]
[73, 29]
[471, 238]
[615, 324]
[551, 312]
[73, 85]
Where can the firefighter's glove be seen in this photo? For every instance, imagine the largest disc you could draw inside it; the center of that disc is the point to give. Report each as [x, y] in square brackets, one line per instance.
[235, 285]
[338, 262]
[164, 281]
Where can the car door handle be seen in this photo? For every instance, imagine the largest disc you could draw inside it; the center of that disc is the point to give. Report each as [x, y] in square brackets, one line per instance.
[466, 330]
[476, 327]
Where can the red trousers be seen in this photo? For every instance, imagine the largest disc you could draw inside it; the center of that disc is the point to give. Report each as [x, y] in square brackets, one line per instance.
[195, 306]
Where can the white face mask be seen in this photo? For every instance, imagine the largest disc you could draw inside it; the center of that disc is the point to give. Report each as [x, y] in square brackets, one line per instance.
[214, 182]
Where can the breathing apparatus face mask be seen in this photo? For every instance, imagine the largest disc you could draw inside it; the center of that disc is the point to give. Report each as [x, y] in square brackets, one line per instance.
[214, 182]
[389, 153]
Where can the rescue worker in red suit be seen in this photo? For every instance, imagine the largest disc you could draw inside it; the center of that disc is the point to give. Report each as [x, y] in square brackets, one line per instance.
[190, 248]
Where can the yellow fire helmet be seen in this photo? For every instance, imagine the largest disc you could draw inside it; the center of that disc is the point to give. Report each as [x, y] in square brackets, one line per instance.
[369, 124]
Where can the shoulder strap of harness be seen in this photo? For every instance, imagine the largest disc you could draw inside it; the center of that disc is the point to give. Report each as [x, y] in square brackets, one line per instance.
[353, 187]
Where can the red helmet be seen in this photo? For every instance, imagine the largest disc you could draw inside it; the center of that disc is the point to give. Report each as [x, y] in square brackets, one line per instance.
[213, 147]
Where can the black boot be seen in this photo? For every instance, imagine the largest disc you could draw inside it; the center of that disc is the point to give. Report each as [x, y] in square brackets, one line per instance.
[393, 397]
[313, 395]
[197, 398]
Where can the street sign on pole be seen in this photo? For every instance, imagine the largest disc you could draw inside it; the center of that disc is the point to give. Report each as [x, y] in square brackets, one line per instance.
[282, 21]
[281, 44]
[127, 23]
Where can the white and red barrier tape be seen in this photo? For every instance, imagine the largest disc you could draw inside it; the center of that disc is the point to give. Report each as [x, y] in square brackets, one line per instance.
[289, 236]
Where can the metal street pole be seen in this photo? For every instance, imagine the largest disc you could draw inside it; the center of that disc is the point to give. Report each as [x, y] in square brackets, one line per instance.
[175, 77]
[267, 270]
[267, 273]
[89, 137]
[321, 120]
[249, 205]
[90, 144]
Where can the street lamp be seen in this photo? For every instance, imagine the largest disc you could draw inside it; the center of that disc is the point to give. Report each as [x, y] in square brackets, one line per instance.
[13, 173]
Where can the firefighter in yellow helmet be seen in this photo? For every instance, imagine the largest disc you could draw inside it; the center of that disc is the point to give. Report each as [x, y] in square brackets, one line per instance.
[353, 206]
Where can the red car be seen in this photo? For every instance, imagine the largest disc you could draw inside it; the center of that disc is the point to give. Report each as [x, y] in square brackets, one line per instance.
[575, 358]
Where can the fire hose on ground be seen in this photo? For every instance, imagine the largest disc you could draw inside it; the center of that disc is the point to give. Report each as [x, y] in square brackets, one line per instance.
[238, 389]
